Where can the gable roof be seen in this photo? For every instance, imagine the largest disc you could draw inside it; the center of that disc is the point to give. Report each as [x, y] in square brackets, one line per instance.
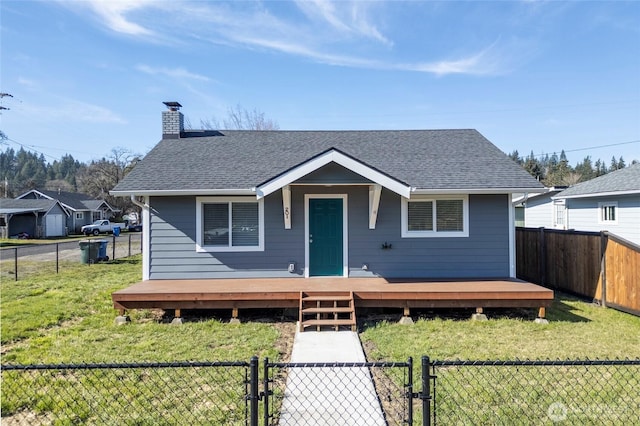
[17, 206]
[73, 200]
[620, 182]
[240, 161]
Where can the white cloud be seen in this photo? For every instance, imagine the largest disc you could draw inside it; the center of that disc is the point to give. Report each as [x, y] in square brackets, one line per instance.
[28, 83]
[333, 33]
[346, 17]
[72, 111]
[178, 73]
[114, 14]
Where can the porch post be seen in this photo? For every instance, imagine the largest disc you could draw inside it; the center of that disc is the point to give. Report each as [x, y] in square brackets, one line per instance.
[286, 206]
[374, 203]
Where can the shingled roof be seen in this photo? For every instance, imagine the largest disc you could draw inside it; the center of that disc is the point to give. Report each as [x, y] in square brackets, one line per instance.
[242, 160]
[14, 206]
[73, 200]
[623, 181]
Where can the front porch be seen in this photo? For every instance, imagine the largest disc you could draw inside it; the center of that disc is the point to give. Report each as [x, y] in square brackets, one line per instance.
[267, 293]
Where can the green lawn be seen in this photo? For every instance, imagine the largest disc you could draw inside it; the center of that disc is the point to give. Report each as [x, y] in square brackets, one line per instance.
[69, 318]
[576, 330]
[585, 395]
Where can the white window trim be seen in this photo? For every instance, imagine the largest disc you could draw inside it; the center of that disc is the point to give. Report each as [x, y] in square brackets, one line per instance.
[213, 249]
[345, 232]
[435, 234]
[79, 215]
[604, 204]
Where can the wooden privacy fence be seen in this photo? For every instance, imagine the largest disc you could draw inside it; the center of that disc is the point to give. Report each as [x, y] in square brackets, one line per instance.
[597, 265]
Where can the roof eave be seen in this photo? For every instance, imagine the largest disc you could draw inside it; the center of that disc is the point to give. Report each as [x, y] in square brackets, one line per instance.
[598, 194]
[338, 157]
[479, 191]
[182, 192]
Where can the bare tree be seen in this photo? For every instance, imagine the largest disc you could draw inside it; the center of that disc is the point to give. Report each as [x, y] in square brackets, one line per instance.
[100, 176]
[240, 118]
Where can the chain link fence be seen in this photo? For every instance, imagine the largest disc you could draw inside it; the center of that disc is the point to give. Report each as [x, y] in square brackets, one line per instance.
[229, 393]
[338, 393]
[536, 392]
[23, 261]
[204, 393]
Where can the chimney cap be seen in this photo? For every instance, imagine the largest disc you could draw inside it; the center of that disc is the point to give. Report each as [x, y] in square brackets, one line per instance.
[172, 105]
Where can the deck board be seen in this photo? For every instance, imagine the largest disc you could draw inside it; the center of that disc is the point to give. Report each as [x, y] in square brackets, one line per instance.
[368, 292]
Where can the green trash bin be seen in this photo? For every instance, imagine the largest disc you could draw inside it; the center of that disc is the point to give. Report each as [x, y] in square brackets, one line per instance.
[89, 251]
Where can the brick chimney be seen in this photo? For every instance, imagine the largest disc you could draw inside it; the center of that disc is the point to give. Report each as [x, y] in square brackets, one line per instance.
[172, 121]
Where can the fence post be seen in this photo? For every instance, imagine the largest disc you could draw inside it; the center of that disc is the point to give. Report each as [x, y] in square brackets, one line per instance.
[426, 392]
[410, 391]
[542, 258]
[15, 261]
[113, 250]
[603, 266]
[57, 258]
[265, 380]
[253, 391]
[129, 245]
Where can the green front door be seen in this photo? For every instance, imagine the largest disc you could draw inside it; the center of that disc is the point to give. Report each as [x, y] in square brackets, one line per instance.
[325, 237]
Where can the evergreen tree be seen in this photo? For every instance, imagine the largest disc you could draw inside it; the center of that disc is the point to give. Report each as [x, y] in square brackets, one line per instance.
[614, 164]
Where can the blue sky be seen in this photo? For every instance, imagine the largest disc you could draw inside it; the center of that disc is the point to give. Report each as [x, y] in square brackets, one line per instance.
[89, 76]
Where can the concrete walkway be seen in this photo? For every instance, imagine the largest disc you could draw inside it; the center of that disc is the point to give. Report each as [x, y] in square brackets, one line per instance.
[329, 395]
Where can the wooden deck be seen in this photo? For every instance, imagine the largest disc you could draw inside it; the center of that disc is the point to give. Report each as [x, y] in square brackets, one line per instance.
[367, 292]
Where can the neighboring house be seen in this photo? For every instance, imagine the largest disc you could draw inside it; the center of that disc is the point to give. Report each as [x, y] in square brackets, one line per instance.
[82, 208]
[32, 218]
[607, 203]
[540, 211]
[253, 204]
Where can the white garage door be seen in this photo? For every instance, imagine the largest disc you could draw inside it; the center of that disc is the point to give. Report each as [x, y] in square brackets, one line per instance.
[55, 225]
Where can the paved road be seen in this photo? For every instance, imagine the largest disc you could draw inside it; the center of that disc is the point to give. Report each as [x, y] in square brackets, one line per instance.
[71, 249]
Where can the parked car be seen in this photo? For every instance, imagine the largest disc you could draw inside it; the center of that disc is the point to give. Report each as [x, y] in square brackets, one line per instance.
[101, 226]
[135, 228]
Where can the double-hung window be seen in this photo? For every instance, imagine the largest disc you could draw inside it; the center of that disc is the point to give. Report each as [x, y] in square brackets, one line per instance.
[229, 224]
[608, 212]
[435, 217]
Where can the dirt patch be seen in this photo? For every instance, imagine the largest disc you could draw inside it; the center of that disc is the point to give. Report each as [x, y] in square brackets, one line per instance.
[284, 343]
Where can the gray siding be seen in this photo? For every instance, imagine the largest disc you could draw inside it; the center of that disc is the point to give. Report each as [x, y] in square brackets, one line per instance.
[484, 254]
[583, 216]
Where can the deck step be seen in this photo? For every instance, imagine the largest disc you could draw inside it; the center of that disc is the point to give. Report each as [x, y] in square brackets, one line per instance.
[328, 322]
[345, 309]
[321, 310]
[327, 298]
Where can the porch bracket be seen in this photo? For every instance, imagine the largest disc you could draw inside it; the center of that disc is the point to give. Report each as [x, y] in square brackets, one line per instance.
[374, 203]
[286, 206]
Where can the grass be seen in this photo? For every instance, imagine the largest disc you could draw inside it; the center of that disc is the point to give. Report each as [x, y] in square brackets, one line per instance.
[13, 242]
[587, 395]
[69, 318]
[576, 330]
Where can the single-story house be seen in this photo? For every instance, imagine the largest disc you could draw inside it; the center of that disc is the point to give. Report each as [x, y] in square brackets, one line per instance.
[32, 218]
[247, 219]
[82, 208]
[539, 211]
[607, 203]
[239, 204]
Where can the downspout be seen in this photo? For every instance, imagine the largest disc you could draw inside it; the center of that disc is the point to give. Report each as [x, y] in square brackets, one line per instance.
[146, 232]
[138, 203]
